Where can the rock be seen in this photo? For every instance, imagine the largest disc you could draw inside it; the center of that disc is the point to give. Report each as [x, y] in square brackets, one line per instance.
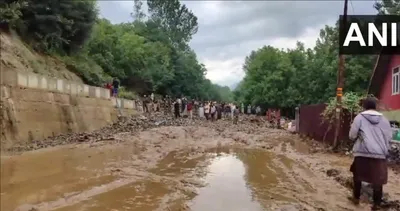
[332, 172]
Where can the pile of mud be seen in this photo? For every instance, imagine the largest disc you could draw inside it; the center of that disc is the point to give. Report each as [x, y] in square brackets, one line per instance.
[131, 124]
[135, 124]
[394, 153]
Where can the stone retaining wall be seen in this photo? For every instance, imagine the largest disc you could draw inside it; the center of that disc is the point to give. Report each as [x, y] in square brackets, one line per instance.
[36, 107]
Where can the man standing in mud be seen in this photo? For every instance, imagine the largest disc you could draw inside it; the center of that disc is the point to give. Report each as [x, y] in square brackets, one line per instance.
[213, 110]
[219, 111]
[146, 101]
[207, 110]
[372, 133]
[177, 108]
[236, 115]
[179, 101]
[166, 105]
[190, 109]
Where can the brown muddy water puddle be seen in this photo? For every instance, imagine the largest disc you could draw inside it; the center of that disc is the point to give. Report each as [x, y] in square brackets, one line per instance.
[93, 179]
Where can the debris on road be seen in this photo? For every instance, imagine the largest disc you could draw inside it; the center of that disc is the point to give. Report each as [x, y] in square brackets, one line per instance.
[134, 124]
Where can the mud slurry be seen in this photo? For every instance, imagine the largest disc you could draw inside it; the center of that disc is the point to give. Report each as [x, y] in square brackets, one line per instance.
[176, 168]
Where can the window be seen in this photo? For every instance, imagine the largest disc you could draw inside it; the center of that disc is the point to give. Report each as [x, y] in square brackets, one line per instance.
[396, 81]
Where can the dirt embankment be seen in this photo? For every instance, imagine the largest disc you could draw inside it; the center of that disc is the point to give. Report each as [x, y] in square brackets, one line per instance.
[157, 163]
[17, 56]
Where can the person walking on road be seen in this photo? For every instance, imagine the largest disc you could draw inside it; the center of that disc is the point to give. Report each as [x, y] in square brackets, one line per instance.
[372, 133]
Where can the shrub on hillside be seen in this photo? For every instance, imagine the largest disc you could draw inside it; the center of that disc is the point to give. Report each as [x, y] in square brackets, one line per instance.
[87, 69]
[62, 26]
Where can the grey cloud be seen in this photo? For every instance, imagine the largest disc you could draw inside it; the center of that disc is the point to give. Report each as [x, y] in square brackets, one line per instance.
[114, 12]
[244, 21]
[241, 26]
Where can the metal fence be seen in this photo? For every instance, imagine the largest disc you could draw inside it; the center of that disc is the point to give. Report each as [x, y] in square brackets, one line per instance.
[312, 125]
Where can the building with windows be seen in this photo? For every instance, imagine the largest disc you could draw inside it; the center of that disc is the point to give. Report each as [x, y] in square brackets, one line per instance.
[385, 85]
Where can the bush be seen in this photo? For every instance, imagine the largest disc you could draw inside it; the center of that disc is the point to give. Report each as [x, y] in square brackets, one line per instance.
[123, 93]
[87, 69]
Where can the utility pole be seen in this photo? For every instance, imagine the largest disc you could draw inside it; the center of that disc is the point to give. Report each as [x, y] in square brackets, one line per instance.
[340, 84]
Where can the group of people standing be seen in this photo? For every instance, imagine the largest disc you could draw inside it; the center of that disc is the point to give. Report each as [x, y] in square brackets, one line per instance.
[207, 109]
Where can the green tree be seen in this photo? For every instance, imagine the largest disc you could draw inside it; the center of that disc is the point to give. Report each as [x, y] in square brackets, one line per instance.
[388, 7]
[175, 19]
[58, 26]
[287, 78]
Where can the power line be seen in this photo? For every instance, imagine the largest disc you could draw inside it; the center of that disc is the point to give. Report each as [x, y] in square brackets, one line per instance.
[352, 7]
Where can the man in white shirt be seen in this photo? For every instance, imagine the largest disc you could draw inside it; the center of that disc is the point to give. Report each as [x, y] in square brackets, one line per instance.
[207, 110]
[213, 111]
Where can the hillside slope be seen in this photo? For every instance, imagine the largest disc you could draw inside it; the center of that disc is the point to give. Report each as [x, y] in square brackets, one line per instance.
[18, 56]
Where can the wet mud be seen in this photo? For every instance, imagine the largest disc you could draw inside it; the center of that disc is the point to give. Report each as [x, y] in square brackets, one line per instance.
[175, 167]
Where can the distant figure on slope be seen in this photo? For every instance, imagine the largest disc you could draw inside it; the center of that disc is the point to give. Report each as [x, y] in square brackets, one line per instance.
[372, 133]
[115, 85]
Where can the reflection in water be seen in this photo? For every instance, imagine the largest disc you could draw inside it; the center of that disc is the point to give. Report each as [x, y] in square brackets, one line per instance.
[265, 176]
[226, 189]
[78, 179]
[36, 177]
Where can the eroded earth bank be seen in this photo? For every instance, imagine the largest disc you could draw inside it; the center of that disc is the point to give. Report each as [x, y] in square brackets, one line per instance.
[155, 163]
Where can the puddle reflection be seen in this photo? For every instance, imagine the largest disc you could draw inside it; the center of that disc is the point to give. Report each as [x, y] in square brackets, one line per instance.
[226, 189]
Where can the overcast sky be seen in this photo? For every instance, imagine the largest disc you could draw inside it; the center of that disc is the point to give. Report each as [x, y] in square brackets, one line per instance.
[230, 30]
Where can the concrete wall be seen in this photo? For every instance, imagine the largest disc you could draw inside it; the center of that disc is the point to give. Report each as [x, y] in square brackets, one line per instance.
[35, 81]
[35, 107]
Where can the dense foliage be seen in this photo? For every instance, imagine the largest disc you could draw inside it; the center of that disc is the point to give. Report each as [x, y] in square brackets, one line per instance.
[287, 78]
[149, 54]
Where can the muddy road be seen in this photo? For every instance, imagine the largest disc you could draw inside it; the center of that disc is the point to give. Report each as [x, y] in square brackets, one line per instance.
[199, 166]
